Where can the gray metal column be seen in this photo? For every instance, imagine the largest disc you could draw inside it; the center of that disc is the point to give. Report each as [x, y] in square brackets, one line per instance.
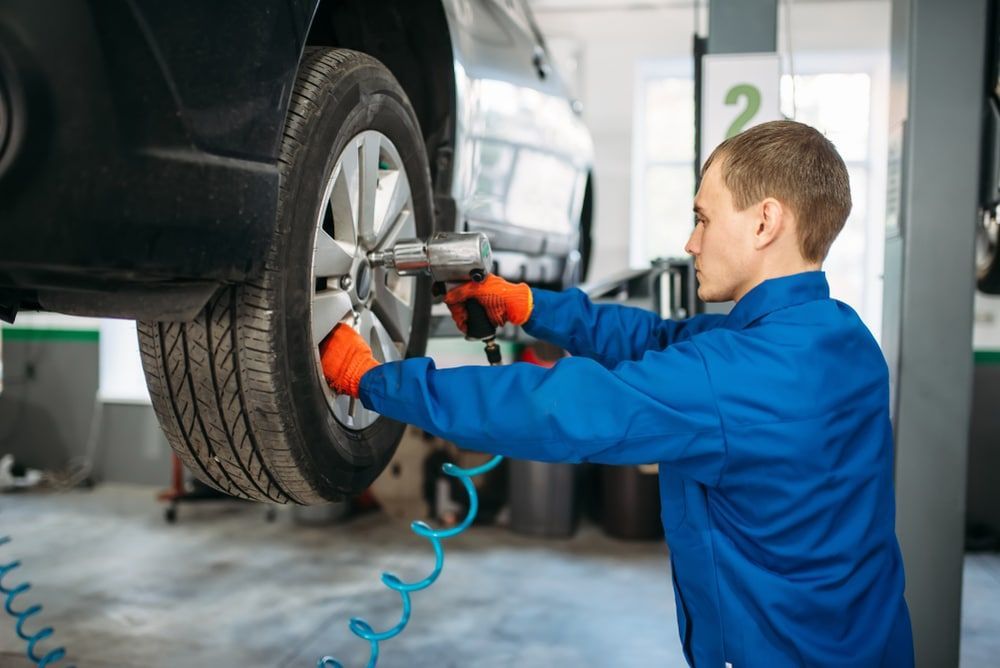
[742, 26]
[937, 93]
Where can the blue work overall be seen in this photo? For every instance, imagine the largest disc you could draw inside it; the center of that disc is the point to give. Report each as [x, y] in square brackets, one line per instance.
[771, 428]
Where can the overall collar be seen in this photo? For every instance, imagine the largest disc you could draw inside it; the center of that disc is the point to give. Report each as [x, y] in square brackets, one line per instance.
[777, 293]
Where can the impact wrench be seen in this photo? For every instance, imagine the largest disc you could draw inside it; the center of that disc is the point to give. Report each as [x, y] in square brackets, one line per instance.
[448, 257]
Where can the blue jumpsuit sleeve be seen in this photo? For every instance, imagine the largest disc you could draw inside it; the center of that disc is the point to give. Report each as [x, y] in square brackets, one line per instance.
[607, 333]
[660, 409]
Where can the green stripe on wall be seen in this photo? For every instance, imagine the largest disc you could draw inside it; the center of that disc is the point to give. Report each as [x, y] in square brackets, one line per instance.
[984, 357]
[987, 357]
[32, 334]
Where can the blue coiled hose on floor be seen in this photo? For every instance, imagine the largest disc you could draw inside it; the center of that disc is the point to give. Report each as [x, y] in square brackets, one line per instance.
[363, 629]
[9, 594]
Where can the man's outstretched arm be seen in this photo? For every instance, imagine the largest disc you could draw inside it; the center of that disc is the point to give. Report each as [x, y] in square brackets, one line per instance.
[660, 409]
[608, 333]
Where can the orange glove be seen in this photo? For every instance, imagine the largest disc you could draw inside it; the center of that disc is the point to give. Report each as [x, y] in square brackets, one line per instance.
[345, 357]
[503, 301]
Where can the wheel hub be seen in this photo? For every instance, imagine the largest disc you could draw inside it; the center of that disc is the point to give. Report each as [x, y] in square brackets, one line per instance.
[364, 281]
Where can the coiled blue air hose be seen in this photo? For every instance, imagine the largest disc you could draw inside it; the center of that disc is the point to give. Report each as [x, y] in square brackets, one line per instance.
[9, 594]
[363, 629]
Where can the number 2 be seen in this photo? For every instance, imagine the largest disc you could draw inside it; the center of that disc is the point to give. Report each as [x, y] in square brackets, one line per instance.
[752, 95]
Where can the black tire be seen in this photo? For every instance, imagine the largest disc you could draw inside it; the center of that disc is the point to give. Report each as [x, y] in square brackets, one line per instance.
[239, 391]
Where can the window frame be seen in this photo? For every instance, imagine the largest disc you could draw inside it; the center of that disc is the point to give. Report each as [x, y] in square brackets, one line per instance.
[669, 68]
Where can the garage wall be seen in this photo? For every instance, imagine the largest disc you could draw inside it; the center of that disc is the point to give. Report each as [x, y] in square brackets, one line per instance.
[47, 403]
[983, 490]
[48, 414]
[607, 40]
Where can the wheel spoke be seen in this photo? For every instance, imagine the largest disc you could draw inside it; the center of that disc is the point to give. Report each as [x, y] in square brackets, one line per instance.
[374, 332]
[329, 307]
[395, 314]
[368, 154]
[344, 198]
[332, 257]
[343, 405]
[363, 416]
[390, 348]
[368, 329]
[394, 193]
[403, 227]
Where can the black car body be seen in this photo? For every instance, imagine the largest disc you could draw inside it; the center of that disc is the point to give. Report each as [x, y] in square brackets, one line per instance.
[138, 140]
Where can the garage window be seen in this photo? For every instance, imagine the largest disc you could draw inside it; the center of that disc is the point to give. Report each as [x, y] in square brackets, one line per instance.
[662, 161]
[839, 105]
[837, 94]
[844, 96]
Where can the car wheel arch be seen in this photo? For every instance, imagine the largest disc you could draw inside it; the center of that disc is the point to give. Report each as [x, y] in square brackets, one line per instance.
[416, 49]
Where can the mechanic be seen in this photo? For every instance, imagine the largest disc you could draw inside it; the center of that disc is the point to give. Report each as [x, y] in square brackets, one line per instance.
[770, 424]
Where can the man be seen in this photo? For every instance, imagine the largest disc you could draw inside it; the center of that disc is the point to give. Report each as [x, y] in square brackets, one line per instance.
[770, 424]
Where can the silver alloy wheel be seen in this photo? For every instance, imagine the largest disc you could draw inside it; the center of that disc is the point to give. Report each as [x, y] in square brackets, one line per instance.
[367, 207]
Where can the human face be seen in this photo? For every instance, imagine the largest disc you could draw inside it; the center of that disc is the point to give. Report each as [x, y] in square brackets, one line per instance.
[722, 243]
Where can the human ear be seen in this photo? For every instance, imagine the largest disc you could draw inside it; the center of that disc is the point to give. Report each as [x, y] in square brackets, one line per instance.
[770, 222]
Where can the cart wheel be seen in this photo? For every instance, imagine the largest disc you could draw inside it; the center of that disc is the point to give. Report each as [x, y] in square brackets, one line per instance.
[170, 514]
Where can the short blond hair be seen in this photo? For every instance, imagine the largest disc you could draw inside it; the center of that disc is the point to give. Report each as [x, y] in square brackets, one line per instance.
[795, 164]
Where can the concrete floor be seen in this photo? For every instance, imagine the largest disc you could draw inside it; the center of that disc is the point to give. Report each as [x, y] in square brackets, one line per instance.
[224, 587]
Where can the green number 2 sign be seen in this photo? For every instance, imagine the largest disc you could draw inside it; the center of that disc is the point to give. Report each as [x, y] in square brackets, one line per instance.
[752, 95]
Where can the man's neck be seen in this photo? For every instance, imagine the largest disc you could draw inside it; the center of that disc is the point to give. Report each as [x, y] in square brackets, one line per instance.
[778, 270]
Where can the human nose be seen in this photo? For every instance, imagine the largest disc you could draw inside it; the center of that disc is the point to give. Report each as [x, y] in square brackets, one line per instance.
[693, 245]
